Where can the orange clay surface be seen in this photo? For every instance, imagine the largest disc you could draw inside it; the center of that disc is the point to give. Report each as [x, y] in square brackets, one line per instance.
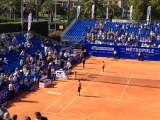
[98, 100]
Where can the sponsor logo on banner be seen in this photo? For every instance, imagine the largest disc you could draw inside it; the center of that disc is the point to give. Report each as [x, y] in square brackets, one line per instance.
[103, 48]
[146, 50]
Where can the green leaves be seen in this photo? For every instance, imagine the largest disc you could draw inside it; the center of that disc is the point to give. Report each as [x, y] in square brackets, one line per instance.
[101, 8]
[140, 9]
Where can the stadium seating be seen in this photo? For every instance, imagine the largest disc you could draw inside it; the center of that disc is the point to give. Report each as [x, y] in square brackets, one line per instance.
[141, 31]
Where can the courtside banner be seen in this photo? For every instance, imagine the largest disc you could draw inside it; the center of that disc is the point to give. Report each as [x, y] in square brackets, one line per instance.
[93, 10]
[107, 13]
[29, 21]
[61, 74]
[123, 10]
[148, 13]
[100, 50]
[131, 12]
[124, 52]
[78, 11]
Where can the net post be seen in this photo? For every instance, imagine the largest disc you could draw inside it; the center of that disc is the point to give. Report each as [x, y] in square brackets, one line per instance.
[75, 75]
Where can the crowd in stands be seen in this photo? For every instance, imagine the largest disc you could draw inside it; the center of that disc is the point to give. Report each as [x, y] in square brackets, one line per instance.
[44, 61]
[5, 115]
[33, 66]
[126, 34]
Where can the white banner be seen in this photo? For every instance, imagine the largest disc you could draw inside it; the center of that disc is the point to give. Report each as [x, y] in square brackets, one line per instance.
[61, 74]
[123, 10]
[29, 21]
[131, 12]
[148, 13]
[78, 11]
[93, 10]
[107, 13]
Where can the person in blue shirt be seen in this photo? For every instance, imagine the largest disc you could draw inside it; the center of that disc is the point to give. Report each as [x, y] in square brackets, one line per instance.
[36, 76]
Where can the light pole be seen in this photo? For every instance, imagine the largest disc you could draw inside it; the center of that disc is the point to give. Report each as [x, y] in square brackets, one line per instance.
[37, 6]
[22, 15]
[55, 15]
[68, 11]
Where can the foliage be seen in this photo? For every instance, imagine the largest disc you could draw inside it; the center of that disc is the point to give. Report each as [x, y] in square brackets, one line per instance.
[101, 6]
[4, 19]
[116, 10]
[155, 9]
[49, 7]
[87, 6]
[31, 6]
[140, 9]
[9, 6]
[55, 34]
[73, 13]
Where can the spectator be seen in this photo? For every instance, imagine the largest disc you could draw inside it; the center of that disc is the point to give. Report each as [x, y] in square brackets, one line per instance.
[139, 56]
[27, 118]
[49, 70]
[5, 61]
[21, 63]
[39, 117]
[14, 117]
[115, 54]
[1, 79]
[3, 110]
[11, 91]
[6, 116]
[83, 61]
[22, 54]
[1, 62]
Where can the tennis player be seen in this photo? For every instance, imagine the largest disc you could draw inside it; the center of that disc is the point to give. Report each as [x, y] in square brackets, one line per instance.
[103, 66]
[79, 87]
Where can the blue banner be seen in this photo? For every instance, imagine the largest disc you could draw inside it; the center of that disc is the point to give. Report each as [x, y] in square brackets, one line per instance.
[124, 52]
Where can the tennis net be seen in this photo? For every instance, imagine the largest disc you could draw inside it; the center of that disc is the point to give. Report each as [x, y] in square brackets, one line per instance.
[152, 83]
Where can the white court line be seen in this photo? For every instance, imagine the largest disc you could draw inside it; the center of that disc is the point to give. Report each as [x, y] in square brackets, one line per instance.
[55, 93]
[94, 79]
[83, 91]
[127, 101]
[67, 105]
[67, 115]
[66, 93]
[125, 87]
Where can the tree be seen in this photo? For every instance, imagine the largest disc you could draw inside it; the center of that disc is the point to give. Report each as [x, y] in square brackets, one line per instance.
[116, 10]
[73, 13]
[9, 6]
[31, 7]
[48, 7]
[140, 9]
[155, 9]
[99, 4]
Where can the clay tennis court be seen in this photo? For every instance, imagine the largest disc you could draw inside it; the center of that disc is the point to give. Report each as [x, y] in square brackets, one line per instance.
[127, 90]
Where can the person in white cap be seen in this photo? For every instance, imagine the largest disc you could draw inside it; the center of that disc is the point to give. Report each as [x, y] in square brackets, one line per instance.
[5, 60]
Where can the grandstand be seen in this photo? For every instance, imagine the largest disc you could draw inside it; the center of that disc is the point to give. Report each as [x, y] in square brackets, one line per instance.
[119, 35]
[80, 36]
[78, 30]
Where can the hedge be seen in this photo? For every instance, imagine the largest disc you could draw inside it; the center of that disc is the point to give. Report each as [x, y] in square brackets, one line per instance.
[40, 27]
